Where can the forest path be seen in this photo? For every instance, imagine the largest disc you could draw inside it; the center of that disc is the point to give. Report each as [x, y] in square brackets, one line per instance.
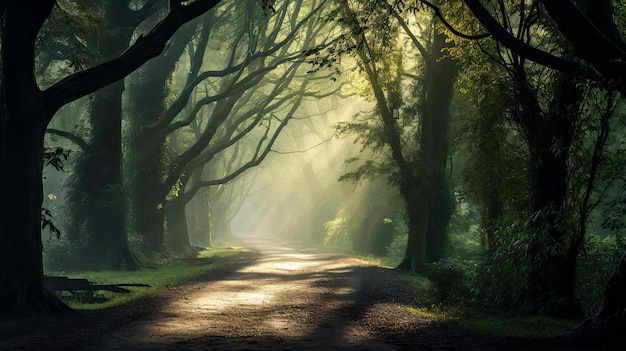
[275, 297]
[288, 298]
[294, 297]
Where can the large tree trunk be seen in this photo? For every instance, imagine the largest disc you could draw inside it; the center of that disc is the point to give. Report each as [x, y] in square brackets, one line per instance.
[177, 230]
[440, 78]
[417, 201]
[417, 210]
[147, 93]
[21, 274]
[429, 208]
[110, 225]
[21, 155]
[99, 200]
[551, 257]
[26, 114]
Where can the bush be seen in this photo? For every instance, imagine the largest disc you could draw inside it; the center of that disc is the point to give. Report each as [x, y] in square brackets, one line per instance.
[338, 232]
[595, 264]
[450, 279]
[500, 276]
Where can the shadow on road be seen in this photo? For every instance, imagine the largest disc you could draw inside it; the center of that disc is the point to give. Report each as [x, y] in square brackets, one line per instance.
[276, 297]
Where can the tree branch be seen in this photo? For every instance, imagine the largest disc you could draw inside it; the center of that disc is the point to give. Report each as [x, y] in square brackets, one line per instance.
[451, 27]
[146, 47]
[521, 48]
[82, 144]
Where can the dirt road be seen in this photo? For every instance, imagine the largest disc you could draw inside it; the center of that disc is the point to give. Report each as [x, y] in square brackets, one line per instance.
[288, 298]
[277, 297]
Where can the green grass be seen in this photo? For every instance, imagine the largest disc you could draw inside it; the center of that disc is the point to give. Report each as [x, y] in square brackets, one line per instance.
[160, 277]
[524, 326]
[494, 323]
[473, 318]
[484, 320]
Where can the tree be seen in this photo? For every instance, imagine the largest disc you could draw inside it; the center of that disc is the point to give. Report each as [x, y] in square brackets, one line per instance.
[97, 197]
[148, 90]
[419, 174]
[244, 100]
[27, 110]
[591, 30]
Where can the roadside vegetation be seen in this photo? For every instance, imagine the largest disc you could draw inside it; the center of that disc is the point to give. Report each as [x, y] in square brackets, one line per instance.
[161, 276]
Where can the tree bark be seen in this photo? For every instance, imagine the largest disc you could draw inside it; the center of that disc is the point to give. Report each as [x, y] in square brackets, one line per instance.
[177, 229]
[440, 77]
[25, 117]
[418, 210]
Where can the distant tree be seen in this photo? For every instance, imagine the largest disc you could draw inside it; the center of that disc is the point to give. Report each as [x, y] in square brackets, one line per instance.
[97, 198]
[246, 99]
[26, 112]
[148, 90]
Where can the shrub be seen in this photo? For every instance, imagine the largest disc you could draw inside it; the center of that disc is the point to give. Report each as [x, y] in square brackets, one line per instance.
[450, 279]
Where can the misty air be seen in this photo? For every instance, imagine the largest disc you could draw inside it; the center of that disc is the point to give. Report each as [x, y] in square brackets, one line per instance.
[312, 174]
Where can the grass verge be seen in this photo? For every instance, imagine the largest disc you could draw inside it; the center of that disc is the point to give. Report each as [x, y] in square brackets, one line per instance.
[472, 318]
[161, 277]
[495, 323]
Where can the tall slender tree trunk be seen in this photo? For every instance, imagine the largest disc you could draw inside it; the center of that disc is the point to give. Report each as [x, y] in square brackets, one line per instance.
[145, 173]
[432, 199]
[147, 94]
[105, 178]
[176, 215]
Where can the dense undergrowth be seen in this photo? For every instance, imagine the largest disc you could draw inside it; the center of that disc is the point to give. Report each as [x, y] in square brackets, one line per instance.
[482, 293]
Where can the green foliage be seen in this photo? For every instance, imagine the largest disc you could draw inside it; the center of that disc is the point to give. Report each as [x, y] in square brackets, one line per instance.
[63, 255]
[337, 232]
[397, 247]
[368, 221]
[500, 276]
[55, 158]
[450, 279]
[46, 223]
[61, 44]
[511, 325]
[595, 264]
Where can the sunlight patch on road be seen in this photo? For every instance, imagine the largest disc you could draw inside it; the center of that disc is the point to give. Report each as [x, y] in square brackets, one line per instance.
[347, 291]
[284, 295]
[230, 296]
[283, 264]
[291, 266]
[254, 298]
